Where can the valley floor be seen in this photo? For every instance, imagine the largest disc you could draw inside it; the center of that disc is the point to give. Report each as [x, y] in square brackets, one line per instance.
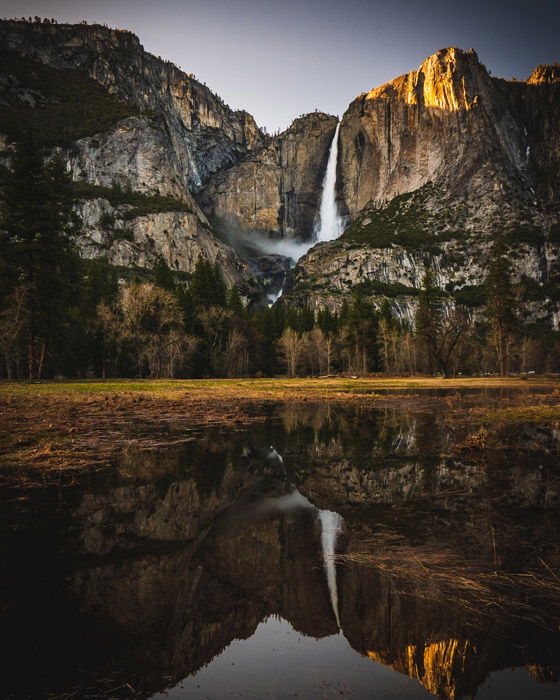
[52, 428]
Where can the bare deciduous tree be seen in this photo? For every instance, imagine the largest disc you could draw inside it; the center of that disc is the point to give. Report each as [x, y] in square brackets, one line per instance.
[12, 323]
[148, 321]
[291, 346]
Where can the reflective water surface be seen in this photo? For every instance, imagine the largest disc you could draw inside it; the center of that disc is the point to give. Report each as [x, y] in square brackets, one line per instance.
[331, 551]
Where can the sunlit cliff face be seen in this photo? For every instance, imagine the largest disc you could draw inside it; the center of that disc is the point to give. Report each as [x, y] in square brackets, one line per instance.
[545, 73]
[449, 80]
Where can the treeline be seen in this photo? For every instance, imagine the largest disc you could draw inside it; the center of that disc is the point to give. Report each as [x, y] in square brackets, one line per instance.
[61, 315]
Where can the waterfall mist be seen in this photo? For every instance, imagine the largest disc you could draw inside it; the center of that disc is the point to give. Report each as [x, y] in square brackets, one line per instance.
[330, 223]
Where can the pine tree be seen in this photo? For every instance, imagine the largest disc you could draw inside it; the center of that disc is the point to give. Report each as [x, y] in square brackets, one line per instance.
[440, 328]
[500, 302]
[235, 303]
[359, 334]
[207, 285]
[429, 316]
[37, 252]
[163, 276]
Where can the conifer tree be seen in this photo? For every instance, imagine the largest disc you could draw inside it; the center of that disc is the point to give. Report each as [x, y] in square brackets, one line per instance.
[429, 316]
[36, 250]
[235, 303]
[440, 328]
[500, 302]
[359, 333]
[207, 285]
[163, 276]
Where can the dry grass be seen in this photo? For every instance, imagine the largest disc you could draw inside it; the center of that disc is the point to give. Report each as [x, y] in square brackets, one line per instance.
[480, 588]
[60, 432]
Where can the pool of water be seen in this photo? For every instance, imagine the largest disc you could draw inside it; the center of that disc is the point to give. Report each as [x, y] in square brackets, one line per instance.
[329, 552]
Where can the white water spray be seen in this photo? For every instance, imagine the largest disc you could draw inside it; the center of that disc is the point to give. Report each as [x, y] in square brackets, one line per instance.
[331, 526]
[330, 223]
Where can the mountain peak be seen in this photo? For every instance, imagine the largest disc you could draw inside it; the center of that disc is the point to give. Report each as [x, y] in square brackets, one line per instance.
[545, 73]
[451, 79]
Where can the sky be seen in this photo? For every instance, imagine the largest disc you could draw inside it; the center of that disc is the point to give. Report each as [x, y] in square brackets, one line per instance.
[280, 59]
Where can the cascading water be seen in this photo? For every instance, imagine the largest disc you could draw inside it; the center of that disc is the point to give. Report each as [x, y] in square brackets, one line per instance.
[330, 223]
[331, 526]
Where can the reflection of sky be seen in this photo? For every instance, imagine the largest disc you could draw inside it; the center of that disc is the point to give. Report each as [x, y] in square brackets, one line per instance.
[278, 662]
[278, 59]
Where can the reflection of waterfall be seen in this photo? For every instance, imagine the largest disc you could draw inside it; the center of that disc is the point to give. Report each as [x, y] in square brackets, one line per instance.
[275, 457]
[331, 526]
[284, 504]
[330, 225]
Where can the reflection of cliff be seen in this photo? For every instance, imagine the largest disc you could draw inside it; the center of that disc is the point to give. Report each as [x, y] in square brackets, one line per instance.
[181, 608]
[436, 665]
[165, 562]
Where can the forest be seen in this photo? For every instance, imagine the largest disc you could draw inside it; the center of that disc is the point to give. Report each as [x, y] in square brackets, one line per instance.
[64, 316]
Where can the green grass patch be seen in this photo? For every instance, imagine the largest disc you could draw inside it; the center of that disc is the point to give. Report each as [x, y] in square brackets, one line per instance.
[523, 414]
[276, 387]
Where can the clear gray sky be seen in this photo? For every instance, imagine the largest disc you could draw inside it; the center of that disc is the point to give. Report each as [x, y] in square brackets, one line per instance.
[279, 59]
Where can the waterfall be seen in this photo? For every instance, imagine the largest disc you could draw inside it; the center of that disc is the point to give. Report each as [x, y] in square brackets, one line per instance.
[331, 526]
[330, 223]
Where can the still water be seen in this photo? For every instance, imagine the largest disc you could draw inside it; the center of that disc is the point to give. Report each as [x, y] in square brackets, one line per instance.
[328, 552]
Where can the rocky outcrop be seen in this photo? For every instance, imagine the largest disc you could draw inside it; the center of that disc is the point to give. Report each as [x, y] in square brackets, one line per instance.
[276, 189]
[447, 122]
[136, 153]
[179, 237]
[545, 73]
[386, 250]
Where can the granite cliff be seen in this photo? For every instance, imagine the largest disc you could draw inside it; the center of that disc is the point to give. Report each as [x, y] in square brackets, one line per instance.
[162, 134]
[431, 165]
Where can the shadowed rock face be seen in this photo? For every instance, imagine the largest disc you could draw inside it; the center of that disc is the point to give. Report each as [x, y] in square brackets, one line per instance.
[182, 135]
[206, 135]
[146, 573]
[276, 189]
